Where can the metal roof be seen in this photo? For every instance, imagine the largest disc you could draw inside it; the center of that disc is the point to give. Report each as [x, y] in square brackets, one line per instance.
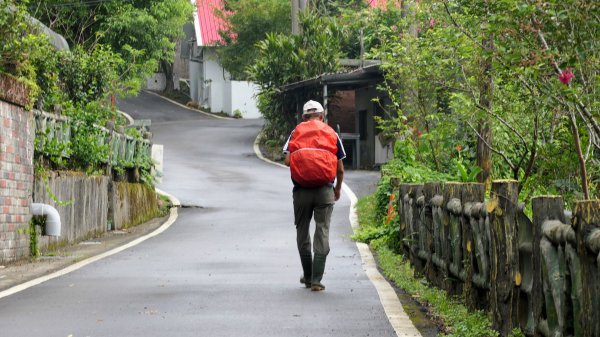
[357, 78]
[209, 24]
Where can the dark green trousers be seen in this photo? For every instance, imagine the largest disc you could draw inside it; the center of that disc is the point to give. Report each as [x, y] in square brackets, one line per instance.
[309, 203]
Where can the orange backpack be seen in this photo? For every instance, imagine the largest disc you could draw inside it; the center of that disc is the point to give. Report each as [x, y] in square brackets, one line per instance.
[313, 159]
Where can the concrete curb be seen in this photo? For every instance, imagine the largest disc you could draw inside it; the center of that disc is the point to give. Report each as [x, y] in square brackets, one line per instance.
[399, 320]
[127, 117]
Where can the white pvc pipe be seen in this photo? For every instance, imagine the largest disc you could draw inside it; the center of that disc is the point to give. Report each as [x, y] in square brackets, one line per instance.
[52, 227]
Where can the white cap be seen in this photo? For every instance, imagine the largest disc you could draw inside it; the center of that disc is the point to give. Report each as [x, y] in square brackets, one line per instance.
[312, 105]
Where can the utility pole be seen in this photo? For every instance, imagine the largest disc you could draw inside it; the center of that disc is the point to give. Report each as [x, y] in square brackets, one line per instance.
[297, 7]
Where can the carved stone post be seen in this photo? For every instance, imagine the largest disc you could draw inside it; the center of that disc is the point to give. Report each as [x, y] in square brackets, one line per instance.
[544, 208]
[415, 192]
[395, 189]
[403, 206]
[504, 256]
[452, 237]
[435, 238]
[586, 221]
[471, 193]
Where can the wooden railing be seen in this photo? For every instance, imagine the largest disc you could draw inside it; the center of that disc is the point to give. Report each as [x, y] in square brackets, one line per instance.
[542, 276]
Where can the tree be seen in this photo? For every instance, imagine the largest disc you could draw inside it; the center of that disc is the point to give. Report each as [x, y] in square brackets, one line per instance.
[334, 8]
[248, 22]
[284, 58]
[141, 32]
[542, 110]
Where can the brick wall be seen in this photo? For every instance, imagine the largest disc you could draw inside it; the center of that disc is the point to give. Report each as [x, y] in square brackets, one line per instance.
[16, 170]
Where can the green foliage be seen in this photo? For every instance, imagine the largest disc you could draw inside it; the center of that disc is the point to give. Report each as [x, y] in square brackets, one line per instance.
[368, 25]
[87, 77]
[335, 8]
[284, 59]
[246, 23]
[447, 70]
[34, 249]
[14, 43]
[114, 47]
[378, 216]
[141, 33]
[19, 39]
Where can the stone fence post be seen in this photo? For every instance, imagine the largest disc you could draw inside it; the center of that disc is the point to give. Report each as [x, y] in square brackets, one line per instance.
[586, 221]
[544, 208]
[504, 256]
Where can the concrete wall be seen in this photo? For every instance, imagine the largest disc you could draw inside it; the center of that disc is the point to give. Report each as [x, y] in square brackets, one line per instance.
[214, 81]
[81, 201]
[180, 65]
[240, 95]
[16, 170]
[83, 204]
[157, 82]
[132, 204]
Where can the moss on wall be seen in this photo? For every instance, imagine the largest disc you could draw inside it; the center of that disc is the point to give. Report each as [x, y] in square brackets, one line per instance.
[133, 204]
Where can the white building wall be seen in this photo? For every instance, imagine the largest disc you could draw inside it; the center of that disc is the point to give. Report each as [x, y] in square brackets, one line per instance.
[219, 94]
[227, 98]
[243, 98]
[214, 81]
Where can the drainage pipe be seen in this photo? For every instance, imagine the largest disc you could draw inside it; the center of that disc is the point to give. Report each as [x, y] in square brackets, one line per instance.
[52, 227]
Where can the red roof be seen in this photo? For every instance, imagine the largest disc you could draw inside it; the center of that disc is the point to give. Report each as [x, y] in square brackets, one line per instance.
[209, 22]
[379, 3]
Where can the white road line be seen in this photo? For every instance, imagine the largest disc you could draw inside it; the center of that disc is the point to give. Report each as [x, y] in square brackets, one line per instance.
[396, 315]
[80, 264]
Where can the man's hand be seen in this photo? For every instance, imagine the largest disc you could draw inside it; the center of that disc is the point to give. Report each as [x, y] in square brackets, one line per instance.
[337, 191]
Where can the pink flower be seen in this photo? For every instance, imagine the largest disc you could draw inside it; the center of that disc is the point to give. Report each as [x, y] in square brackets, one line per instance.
[458, 148]
[566, 76]
[431, 23]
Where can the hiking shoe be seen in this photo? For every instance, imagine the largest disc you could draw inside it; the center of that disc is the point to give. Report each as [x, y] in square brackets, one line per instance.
[316, 286]
[303, 280]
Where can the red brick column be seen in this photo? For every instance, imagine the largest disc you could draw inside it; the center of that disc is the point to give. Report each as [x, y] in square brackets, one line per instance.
[16, 170]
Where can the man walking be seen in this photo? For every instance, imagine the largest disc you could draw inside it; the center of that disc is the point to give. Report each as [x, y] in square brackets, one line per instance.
[314, 153]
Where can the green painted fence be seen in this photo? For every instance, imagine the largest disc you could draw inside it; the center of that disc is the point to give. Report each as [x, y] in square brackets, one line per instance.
[123, 148]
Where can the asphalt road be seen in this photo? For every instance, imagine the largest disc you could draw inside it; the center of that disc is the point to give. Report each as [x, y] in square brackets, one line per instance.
[227, 267]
